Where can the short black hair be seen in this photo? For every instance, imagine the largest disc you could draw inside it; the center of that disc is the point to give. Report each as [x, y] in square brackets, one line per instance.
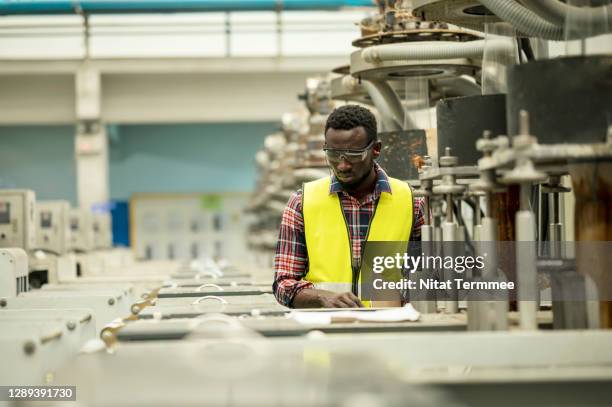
[348, 117]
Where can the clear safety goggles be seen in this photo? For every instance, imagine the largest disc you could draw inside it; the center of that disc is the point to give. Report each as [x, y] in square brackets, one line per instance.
[353, 156]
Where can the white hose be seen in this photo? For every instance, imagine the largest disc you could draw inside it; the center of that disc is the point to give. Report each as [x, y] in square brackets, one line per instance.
[393, 101]
[462, 85]
[388, 105]
[431, 50]
[555, 12]
[527, 22]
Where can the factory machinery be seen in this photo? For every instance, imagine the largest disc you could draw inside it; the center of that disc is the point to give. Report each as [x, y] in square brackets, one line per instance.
[289, 158]
[514, 163]
[497, 171]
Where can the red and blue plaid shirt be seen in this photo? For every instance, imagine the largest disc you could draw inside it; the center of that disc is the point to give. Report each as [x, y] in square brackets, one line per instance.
[291, 258]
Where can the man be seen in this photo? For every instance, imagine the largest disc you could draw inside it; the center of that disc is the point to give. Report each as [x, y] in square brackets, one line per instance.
[327, 222]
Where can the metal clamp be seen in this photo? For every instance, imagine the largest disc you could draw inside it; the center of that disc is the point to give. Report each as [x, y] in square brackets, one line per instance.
[108, 334]
[50, 337]
[86, 318]
[209, 297]
[140, 305]
[209, 285]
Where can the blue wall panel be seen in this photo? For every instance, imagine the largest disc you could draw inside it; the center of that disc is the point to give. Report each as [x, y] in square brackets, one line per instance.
[39, 158]
[121, 223]
[214, 157]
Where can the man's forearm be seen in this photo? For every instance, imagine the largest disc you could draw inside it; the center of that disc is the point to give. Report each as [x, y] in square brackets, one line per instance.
[315, 298]
[309, 298]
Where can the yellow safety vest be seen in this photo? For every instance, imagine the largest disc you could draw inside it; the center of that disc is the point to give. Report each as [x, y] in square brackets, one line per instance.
[327, 236]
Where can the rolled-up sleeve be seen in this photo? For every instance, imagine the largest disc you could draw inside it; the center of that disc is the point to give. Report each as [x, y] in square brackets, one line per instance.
[418, 220]
[291, 256]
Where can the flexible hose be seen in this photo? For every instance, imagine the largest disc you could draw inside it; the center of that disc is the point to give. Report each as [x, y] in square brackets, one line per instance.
[389, 123]
[385, 93]
[527, 22]
[393, 101]
[462, 85]
[524, 20]
[555, 12]
[387, 103]
[431, 50]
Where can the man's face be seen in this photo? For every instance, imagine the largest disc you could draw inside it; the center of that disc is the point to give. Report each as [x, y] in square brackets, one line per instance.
[351, 173]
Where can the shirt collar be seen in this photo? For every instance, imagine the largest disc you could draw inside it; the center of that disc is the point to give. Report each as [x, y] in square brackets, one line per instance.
[382, 182]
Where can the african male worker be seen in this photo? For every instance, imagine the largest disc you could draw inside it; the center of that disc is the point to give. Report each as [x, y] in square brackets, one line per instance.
[326, 224]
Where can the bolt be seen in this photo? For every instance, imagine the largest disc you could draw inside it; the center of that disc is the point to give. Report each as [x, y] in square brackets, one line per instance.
[71, 325]
[29, 347]
[111, 301]
[106, 335]
[448, 160]
[3, 302]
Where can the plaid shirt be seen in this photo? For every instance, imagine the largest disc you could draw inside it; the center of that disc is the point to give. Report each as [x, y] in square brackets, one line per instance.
[291, 258]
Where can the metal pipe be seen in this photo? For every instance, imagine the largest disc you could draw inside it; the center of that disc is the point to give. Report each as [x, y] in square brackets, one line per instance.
[388, 105]
[426, 220]
[557, 13]
[394, 103]
[387, 120]
[555, 198]
[449, 235]
[489, 235]
[531, 24]
[424, 300]
[427, 50]
[460, 231]
[449, 208]
[526, 266]
[42, 7]
[477, 230]
[555, 228]
[524, 196]
[496, 312]
[462, 84]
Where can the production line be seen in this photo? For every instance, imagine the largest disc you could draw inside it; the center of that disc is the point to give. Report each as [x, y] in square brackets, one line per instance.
[59, 263]
[484, 127]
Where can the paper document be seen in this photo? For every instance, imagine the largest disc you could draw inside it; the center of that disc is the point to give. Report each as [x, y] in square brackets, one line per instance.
[405, 313]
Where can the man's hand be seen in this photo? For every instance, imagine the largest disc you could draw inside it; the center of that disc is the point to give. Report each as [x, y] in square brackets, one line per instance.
[313, 298]
[343, 300]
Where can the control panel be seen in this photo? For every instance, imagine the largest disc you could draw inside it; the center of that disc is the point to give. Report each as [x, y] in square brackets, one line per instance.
[53, 226]
[81, 230]
[17, 212]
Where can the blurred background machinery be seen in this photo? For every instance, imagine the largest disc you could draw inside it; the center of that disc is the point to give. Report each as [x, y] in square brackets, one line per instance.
[289, 158]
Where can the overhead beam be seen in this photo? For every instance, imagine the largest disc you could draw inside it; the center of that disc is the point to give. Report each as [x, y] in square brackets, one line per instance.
[306, 64]
[43, 7]
[178, 97]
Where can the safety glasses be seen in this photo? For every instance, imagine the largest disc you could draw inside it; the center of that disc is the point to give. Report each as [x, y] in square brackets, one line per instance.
[353, 156]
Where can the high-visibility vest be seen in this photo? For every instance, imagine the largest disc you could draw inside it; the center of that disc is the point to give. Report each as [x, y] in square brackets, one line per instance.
[330, 258]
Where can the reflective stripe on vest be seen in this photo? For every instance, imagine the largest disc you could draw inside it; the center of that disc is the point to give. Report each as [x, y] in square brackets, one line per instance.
[327, 235]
